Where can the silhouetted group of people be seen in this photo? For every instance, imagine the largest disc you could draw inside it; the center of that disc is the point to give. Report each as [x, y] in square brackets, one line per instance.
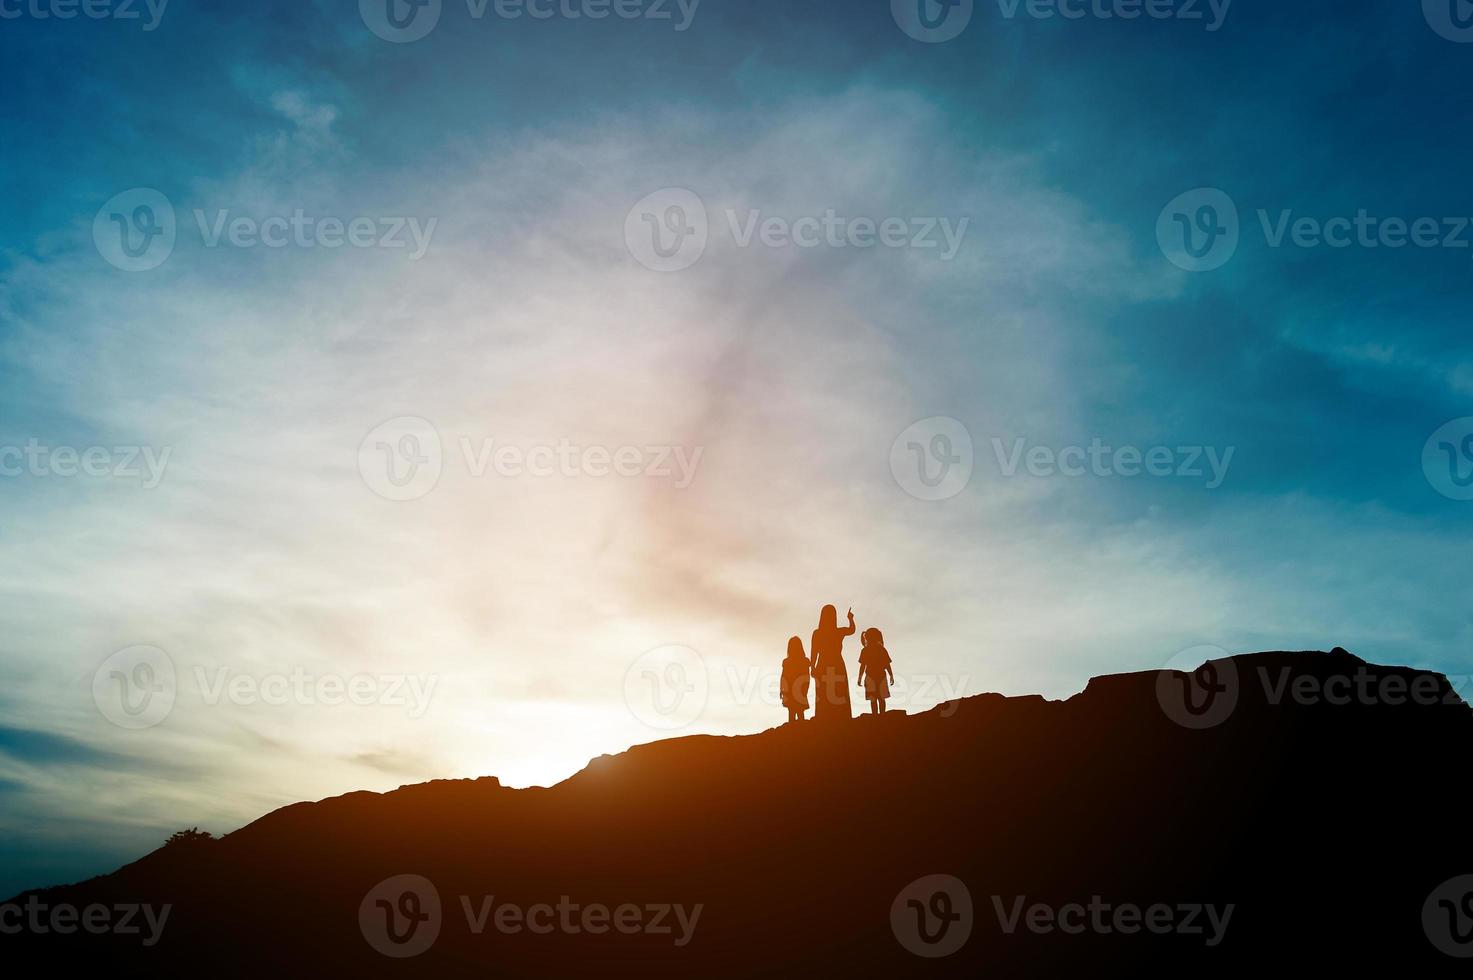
[831, 677]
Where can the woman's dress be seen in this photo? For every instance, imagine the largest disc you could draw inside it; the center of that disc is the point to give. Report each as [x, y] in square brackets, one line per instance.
[831, 698]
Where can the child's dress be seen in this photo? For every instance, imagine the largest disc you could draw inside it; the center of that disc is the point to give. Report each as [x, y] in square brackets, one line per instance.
[795, 683]
[875, 659]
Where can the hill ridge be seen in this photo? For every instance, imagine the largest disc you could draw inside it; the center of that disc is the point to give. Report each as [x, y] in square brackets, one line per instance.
[806, 835]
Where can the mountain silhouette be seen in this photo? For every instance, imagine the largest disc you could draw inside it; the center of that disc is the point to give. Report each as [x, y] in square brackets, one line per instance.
[1311, 807]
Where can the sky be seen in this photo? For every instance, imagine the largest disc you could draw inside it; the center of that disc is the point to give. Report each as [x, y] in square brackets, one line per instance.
[486, 394]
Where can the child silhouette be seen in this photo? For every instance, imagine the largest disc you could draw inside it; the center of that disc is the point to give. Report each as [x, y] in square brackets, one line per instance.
[874, 667]
[795, 680]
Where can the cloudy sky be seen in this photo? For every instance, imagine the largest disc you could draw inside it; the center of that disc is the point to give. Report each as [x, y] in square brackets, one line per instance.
[378, 407]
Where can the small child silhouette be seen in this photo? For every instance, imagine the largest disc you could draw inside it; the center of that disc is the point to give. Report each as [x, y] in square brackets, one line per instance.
[874, 667]
[795, 680]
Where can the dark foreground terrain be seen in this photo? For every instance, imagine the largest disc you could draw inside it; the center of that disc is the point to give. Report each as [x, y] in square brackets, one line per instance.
[1274, 812]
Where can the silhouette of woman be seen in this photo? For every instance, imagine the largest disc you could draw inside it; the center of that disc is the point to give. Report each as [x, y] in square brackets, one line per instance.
[795, 680]
[874, 665]
[832, 694]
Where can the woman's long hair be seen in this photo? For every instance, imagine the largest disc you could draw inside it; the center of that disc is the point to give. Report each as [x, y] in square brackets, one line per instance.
[828, 620]
[795, 649]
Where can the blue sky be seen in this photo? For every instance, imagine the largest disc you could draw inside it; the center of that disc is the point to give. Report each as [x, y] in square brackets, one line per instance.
[264, 550]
